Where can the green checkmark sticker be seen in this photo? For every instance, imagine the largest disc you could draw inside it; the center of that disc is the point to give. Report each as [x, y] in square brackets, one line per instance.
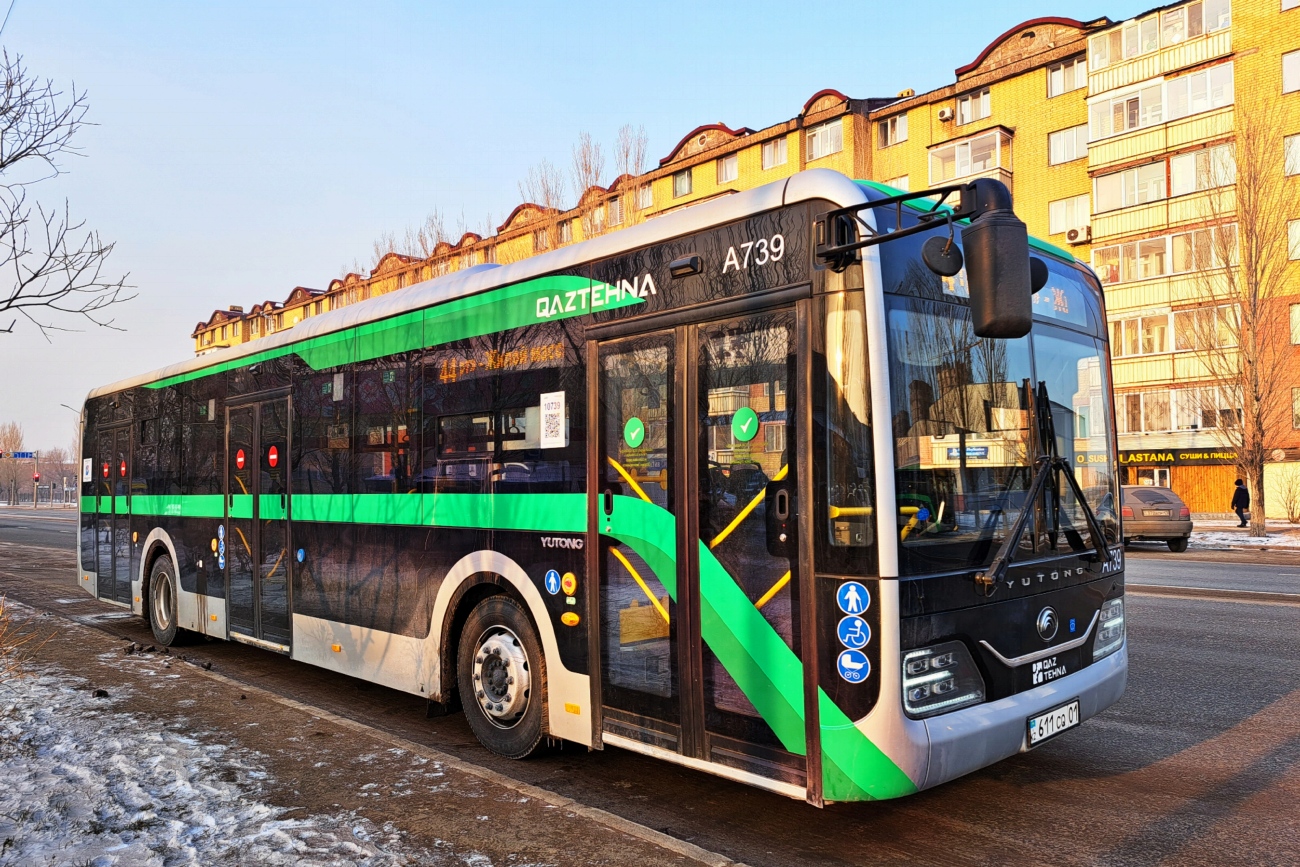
[634, 432]
[744, 424]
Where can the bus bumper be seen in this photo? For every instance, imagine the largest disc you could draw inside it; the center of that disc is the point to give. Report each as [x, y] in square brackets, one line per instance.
[970, 739]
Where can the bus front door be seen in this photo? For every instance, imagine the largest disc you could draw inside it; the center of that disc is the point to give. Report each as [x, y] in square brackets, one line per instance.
[696, 509]
[256, 544]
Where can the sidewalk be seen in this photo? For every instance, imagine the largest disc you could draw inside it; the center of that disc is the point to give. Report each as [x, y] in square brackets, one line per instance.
[1215, 532]
[113, 755]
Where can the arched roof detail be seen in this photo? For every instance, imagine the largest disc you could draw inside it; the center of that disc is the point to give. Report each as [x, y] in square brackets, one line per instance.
[1052, 24]
[822, 100]
[523, 214]
[703, 138]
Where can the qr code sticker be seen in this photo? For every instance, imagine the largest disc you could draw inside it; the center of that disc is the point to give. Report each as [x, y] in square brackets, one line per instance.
[552, 428]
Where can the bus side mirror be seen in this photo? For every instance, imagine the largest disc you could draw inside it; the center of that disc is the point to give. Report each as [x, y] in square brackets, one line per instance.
[996, 249]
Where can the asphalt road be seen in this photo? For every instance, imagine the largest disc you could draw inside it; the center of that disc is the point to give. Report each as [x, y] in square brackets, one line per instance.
[41, 528]
[1199, 763]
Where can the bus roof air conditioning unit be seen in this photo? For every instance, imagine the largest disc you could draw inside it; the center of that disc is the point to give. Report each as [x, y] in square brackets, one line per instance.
[945, 114]
[1081, 235]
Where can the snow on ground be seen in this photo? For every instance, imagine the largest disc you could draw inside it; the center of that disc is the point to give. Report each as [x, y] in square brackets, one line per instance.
[1226, 534]
[84, 783]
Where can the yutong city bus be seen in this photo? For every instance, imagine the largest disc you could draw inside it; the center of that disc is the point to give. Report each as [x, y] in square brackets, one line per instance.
[771, 487]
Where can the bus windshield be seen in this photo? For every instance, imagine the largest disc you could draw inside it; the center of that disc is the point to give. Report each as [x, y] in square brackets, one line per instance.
[964, 432]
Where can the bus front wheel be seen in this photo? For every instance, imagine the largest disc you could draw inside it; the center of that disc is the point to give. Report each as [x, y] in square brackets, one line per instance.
[501, 676]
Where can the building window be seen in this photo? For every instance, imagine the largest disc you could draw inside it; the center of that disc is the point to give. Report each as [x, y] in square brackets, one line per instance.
[566, 232]
[1197, 250]
[891, 131]
[1291, 150]
[1067, 76]
[1202, 170]
[826, 139]
[1066, 214]
[1156, 102]
[681, 183]
[615, 209]
[1067, 144]
[1295, 392]
[728, 168]
[773, 153]
[1205, 328]
[1143, 412]
[1295, 319]
[979, 154]
[902, 182]
[596, 220]
[1293, 239]
[541, 241]
[1135, 186]
[1143, 335]
[645, 197]
[973, 106]
[1291, 72]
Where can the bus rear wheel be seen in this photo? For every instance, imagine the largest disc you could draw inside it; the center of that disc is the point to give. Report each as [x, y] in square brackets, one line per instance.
[501, 675]
[163, 598]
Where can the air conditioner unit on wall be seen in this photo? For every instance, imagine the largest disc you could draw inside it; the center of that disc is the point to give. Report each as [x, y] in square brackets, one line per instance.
[945, 114]
[1081, 235]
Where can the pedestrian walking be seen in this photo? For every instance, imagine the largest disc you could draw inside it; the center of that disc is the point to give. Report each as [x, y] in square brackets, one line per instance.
[1241, 502]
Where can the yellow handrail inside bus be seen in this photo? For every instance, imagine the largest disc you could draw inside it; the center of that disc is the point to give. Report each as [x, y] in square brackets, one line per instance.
[744, 513]
[912, 522]
[850, 511]
[640, 582]
[631, 481]
[776, 588]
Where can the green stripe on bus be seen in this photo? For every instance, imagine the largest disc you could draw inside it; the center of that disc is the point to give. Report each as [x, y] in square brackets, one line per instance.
[767, 671]
[565, 296]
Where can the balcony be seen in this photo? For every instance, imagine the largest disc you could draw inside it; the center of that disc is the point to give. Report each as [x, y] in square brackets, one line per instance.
[1179, 56]
[1156, 140]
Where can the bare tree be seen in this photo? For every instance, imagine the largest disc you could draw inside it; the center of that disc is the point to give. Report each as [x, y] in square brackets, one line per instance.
[587, 170]
[56, 468]
[1239, 326]
[629, 158]
[544, 187]
[11, 440]
[1288, 488]
[56, 265]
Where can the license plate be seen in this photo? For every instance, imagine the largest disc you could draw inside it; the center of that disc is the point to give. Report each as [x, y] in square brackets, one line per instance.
[1053, 722]
[1156, 513]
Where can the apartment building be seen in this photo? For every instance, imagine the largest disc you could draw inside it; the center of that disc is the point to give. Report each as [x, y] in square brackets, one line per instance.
[1118, 141]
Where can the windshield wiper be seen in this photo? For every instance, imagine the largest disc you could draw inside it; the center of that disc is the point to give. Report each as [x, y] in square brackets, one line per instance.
[1051, 466]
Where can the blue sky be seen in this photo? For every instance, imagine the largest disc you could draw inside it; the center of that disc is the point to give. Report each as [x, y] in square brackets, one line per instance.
[243, 148]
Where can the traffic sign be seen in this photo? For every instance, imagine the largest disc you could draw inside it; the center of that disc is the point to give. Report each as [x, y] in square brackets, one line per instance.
[23, 456]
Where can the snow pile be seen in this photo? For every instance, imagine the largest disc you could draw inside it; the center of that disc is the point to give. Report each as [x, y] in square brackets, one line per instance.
[1225, 534]
[86, 784]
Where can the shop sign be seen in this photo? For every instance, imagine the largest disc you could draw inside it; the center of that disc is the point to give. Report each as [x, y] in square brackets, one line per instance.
[1177, 457]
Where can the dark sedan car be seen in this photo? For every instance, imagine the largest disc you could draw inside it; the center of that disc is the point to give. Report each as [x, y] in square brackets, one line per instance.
[1155, 514]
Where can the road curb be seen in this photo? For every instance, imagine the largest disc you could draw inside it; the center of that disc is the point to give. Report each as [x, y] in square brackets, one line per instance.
[1219, 595]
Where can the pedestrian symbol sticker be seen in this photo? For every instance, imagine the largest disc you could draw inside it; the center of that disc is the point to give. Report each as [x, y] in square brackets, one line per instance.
[854, 632]
[221, 531]
[852, 597]
[854, 666]
[221, 562]
[634, 432]
[552, 582]
[744, 424]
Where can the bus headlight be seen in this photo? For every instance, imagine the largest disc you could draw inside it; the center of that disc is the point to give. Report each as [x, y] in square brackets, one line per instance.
[1110, 629]
[940, 678]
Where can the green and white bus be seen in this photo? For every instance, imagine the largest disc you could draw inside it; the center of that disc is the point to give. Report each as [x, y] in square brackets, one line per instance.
[811, 487]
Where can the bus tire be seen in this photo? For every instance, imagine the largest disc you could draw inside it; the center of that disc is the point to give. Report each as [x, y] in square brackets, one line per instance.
[162, 600]
[499, 654]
